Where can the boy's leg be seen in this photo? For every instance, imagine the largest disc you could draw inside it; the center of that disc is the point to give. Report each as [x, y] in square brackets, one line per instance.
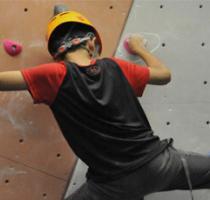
[198, 167]
[86, 193]
[168, 172]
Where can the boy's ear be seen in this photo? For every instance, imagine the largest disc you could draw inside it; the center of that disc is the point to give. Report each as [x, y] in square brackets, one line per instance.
[92, 43]
[94, 40]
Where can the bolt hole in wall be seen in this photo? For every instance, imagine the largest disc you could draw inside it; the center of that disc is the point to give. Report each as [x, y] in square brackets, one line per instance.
[6, 181]
[161, 6]
[168, 123]
[203, 44]
[58, 155]
[111, 7]
[205, 82]
[207, 122]
[44, 195]
[25, 9]
[200, 6]
[163, 44]
[21, 140]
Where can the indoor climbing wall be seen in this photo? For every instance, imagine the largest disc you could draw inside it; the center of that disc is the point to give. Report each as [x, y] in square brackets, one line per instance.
[35, 160]
[178, 33]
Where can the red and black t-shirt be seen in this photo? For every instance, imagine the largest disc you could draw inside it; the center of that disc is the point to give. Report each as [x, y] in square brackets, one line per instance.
[98, 112]
[45, 80]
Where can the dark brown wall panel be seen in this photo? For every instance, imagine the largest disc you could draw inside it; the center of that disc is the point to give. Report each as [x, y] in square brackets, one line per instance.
[34, 156]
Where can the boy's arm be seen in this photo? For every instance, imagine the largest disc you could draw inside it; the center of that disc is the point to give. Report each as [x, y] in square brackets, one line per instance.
[159, 73]
[12, 80]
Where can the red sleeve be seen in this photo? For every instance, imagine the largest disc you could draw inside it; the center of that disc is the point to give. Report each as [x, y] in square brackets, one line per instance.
[137, 76]
[44, 81]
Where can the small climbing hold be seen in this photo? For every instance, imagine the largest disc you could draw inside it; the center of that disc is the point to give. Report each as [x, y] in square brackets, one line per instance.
[11, 47]
[126, 46]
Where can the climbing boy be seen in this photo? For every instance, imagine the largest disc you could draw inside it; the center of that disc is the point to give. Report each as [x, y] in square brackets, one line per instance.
[95, 104]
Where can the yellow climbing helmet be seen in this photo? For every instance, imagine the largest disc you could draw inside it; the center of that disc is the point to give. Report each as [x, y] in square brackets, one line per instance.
[70, 17]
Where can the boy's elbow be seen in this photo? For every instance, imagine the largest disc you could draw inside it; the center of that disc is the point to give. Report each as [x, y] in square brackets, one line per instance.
[164, 77]
[167, 78]
[159, 76]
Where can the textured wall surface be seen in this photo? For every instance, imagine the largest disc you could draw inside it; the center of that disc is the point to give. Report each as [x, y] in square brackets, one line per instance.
[35, 160]
[178, 32]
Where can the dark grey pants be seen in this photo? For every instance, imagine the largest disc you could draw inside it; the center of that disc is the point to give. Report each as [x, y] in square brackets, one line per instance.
[164, 173]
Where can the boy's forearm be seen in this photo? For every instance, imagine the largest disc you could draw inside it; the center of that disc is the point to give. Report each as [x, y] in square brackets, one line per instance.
[159, 73]
[151, 60]
[12, 80]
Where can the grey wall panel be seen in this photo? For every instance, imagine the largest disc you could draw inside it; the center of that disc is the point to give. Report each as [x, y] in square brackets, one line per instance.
[78, 178]
[178, 121]
[183, 26]
[178, 32]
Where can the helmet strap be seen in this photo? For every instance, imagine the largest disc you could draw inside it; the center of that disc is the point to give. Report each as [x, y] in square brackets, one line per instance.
[92, 53]
[76, 41]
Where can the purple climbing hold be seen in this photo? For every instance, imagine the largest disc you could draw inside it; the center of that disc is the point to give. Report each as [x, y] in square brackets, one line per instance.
[126, 46]
[11, 47]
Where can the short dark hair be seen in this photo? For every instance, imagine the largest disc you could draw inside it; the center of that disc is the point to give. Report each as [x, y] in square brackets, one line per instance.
[63, 32]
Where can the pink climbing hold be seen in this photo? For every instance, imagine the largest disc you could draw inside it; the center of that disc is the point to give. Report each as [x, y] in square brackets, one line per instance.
[11, 47]
[126, 46]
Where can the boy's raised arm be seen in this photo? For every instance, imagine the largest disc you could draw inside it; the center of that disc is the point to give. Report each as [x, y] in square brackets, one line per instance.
[159, 73]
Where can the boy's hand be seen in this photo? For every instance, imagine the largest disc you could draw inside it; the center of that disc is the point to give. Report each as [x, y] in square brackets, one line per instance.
[136, 44]
[159, 73]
